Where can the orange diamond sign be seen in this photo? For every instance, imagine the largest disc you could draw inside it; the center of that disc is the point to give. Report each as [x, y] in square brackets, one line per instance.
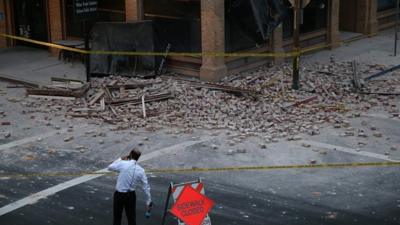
[191, 206]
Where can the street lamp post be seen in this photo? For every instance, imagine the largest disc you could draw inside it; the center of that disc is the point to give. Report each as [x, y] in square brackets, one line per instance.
[296, 44]
[396, 35]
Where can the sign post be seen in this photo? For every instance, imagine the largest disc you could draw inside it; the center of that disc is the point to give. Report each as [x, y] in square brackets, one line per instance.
[396, 29]
[298, 10]
[85, 10]
[296, 44]
[191, 206]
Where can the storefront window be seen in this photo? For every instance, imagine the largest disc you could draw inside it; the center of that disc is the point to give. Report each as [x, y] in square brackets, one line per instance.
[176, 23]
[386, 4]
[108, 11]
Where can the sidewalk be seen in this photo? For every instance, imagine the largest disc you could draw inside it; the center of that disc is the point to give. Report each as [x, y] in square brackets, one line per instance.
[375, 50]
[37, 65]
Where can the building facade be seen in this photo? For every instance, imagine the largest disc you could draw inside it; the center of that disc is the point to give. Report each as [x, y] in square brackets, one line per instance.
[201, 25]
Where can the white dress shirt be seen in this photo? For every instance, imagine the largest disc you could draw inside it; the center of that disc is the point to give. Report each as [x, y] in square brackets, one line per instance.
[130, 174]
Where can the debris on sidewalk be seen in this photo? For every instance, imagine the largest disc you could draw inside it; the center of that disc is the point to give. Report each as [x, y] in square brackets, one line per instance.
[274, 109]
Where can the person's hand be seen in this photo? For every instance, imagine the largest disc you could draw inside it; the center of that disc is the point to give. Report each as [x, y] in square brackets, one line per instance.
[149, 206]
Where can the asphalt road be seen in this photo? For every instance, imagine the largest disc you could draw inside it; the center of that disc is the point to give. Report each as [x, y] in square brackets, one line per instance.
[351, 196]
[305, 196]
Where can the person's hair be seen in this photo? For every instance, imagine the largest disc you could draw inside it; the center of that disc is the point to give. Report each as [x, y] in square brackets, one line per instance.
[135, 154]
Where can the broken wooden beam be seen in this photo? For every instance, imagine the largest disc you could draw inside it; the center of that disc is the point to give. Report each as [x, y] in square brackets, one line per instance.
[356, 80]
[107, 92]
[382, 73]
[138, 100]
[219, 87]
[301, 102]
[66, 80]
[225, 88]
[130, 86]
[59, 92]
[52, 97]
[96, 97]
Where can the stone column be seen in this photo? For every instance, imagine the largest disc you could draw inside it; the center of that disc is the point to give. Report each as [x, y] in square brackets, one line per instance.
[134, 10]
[367, 22]
[372, 23]
[3, 23]
[277, 44]
[333, 35]
[213, 39]
[55, 23]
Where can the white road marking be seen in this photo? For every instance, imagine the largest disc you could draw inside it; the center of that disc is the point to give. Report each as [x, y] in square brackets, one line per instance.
[32, 139]
[32, 199]
[348, 150]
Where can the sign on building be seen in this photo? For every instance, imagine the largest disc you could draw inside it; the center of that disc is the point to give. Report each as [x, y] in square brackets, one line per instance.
[85, 9]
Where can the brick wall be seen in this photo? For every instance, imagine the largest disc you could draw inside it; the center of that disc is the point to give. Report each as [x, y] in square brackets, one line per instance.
[133, 10]
[3, 42]
[55, 22]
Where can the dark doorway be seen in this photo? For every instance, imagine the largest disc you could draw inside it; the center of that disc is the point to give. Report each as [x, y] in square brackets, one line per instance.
[30, 19]
[348, 15]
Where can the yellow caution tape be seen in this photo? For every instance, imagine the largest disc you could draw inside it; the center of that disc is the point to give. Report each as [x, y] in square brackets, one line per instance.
[203, 170]
[124, 53]
[51, 45]
[187, 54]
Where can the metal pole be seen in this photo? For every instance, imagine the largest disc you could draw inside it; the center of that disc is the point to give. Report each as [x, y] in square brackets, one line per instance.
[167, 204]
[396, 35]
[296, 44]
[87, 56]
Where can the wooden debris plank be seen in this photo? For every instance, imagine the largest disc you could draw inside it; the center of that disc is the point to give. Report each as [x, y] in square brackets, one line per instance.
[85, 115]
[301, 102]
[138, 100]
[107, 93]
[382, 73]
[66, 80]
[85, 110]
[59, 92]
[113, 110]
[225, 88]
[131, 86]
[52, 97]
[96, 97]
[65, 86]
[356, 79]
[305, 101]
[102, 104]
[215, 86]
[113, 82]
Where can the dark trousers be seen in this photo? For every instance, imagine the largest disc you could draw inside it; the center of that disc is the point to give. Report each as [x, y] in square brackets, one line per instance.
[125, 201]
